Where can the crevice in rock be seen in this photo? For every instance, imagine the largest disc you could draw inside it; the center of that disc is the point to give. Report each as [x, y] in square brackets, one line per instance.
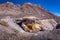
[58, 26]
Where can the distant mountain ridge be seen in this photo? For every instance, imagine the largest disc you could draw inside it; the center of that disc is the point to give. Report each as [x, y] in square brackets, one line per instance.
[27, 9]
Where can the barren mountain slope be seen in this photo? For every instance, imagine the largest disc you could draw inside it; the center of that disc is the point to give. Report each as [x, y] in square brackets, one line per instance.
[26, 9]
[10, 29]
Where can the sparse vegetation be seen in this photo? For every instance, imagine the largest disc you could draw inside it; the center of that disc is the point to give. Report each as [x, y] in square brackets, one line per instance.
[4, 23]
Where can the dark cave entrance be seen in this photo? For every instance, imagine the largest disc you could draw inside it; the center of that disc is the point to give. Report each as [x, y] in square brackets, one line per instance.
[58, 26]
[25, 21]
[19, 22]
[29, 25]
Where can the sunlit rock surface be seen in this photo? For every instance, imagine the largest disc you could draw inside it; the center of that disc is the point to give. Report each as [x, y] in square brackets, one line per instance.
[26, 9]
[10, 30]
[48, 24]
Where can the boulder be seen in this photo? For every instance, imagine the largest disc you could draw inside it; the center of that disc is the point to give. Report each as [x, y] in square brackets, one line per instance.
[48, 24]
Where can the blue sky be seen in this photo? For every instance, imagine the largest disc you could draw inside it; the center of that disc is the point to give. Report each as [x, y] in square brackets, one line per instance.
[51, 5]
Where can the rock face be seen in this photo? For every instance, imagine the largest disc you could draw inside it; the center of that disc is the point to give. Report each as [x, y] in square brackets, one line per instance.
[12, 31]
[26, 9]
[13, 16]
[48, 24]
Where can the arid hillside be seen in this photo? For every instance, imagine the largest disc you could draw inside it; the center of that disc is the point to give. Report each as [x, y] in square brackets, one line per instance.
[28, 22]
[27, 9]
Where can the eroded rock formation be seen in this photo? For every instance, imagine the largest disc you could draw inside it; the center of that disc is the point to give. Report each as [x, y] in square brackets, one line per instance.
[28, 22]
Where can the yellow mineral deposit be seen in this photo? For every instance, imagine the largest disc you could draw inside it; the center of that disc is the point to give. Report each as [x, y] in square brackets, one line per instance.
[32, 27]
[26, 28]
[36, 27]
